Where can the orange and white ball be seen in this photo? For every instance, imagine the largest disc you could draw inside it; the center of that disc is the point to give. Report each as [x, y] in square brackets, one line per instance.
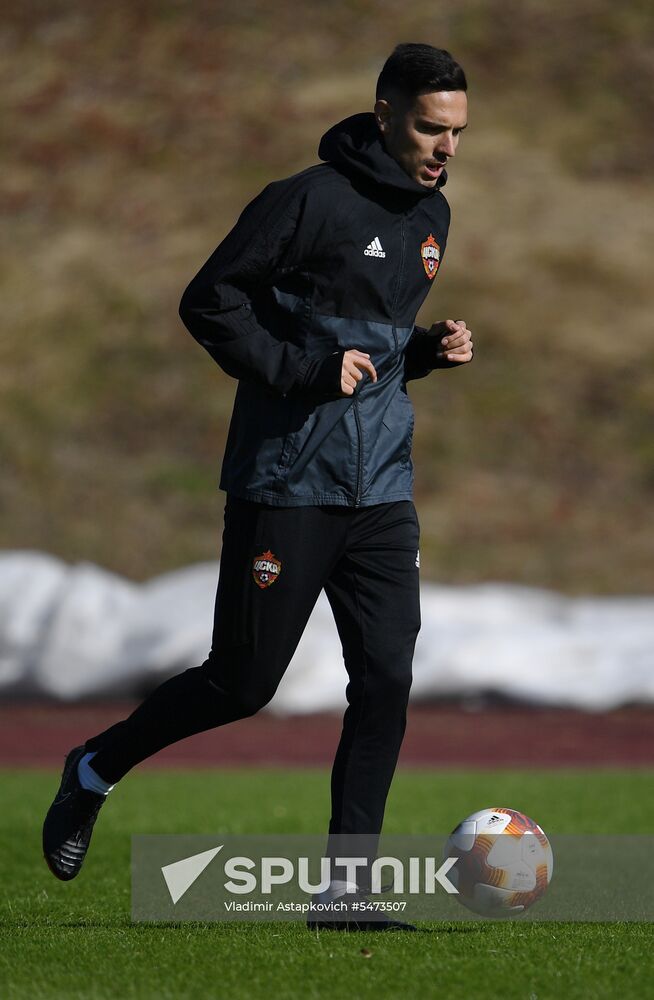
[504, 862]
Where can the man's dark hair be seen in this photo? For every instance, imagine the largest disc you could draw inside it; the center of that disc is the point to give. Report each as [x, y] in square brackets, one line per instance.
[413, 69]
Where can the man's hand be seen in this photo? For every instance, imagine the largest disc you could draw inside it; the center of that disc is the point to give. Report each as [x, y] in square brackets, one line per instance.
[354, 365]
[456, 341]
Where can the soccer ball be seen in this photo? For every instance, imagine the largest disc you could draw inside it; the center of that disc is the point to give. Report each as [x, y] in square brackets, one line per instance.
[504, 862]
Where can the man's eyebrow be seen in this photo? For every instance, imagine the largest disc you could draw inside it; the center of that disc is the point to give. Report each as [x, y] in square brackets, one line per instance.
[430, 124]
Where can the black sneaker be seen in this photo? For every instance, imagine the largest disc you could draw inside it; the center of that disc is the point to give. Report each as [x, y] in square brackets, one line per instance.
[69, 823]
[353, 918]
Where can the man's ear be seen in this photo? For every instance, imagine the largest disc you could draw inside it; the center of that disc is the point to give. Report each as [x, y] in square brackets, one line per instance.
[382, 112]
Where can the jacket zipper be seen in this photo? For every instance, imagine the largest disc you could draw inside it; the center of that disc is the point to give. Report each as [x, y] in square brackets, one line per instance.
[357, 417]
[357, 496]
[399, 279]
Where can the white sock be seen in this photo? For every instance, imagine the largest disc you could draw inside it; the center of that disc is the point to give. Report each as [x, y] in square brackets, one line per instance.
[89, 779]
[334, 891]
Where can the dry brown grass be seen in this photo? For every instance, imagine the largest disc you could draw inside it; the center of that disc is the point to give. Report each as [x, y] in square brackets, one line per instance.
[132, 136]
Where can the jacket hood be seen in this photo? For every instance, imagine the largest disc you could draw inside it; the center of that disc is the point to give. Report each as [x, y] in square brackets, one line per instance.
[356, 144]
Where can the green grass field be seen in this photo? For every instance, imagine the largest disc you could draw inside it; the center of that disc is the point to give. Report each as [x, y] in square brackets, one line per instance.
[76, 940]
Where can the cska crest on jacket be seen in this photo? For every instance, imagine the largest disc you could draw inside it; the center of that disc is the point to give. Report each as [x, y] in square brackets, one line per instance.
[431, 256]
[266, 569]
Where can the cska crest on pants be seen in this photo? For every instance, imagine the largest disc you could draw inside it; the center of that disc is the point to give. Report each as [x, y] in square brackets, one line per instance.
[266, 569]
[431, 256]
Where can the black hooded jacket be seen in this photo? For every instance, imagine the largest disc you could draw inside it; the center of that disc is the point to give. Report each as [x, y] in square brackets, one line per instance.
[337, 257]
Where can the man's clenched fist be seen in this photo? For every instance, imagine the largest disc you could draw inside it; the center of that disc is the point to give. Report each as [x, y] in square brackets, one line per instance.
[456, 341]
[355, 363]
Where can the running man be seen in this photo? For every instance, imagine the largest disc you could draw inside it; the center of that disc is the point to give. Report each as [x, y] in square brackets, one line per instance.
[310, 302]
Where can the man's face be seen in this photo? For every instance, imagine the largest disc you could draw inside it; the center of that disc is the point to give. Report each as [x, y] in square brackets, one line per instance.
[424, 134]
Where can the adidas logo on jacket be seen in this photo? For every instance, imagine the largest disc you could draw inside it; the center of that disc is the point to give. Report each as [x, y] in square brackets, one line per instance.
[374, 249]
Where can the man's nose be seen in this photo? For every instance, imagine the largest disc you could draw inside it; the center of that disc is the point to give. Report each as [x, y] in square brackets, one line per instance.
[446, 144]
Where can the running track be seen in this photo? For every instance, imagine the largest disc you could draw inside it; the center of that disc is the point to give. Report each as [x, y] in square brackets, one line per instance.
[39, 735]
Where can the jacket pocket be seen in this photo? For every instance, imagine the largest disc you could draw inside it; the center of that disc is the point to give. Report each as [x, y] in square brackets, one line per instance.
[302, 419]
[399, 421]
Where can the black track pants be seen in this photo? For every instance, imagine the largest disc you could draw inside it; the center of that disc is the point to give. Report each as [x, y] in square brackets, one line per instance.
[274, 563]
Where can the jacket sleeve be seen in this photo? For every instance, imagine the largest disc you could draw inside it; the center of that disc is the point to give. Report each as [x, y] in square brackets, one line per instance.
[420, 355]
[217, 308]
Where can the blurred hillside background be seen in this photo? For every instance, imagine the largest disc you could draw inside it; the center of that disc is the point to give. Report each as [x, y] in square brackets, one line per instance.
[132, 136]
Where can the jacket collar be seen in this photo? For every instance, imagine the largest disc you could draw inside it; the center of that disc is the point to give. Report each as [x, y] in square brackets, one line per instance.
[356, 145]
